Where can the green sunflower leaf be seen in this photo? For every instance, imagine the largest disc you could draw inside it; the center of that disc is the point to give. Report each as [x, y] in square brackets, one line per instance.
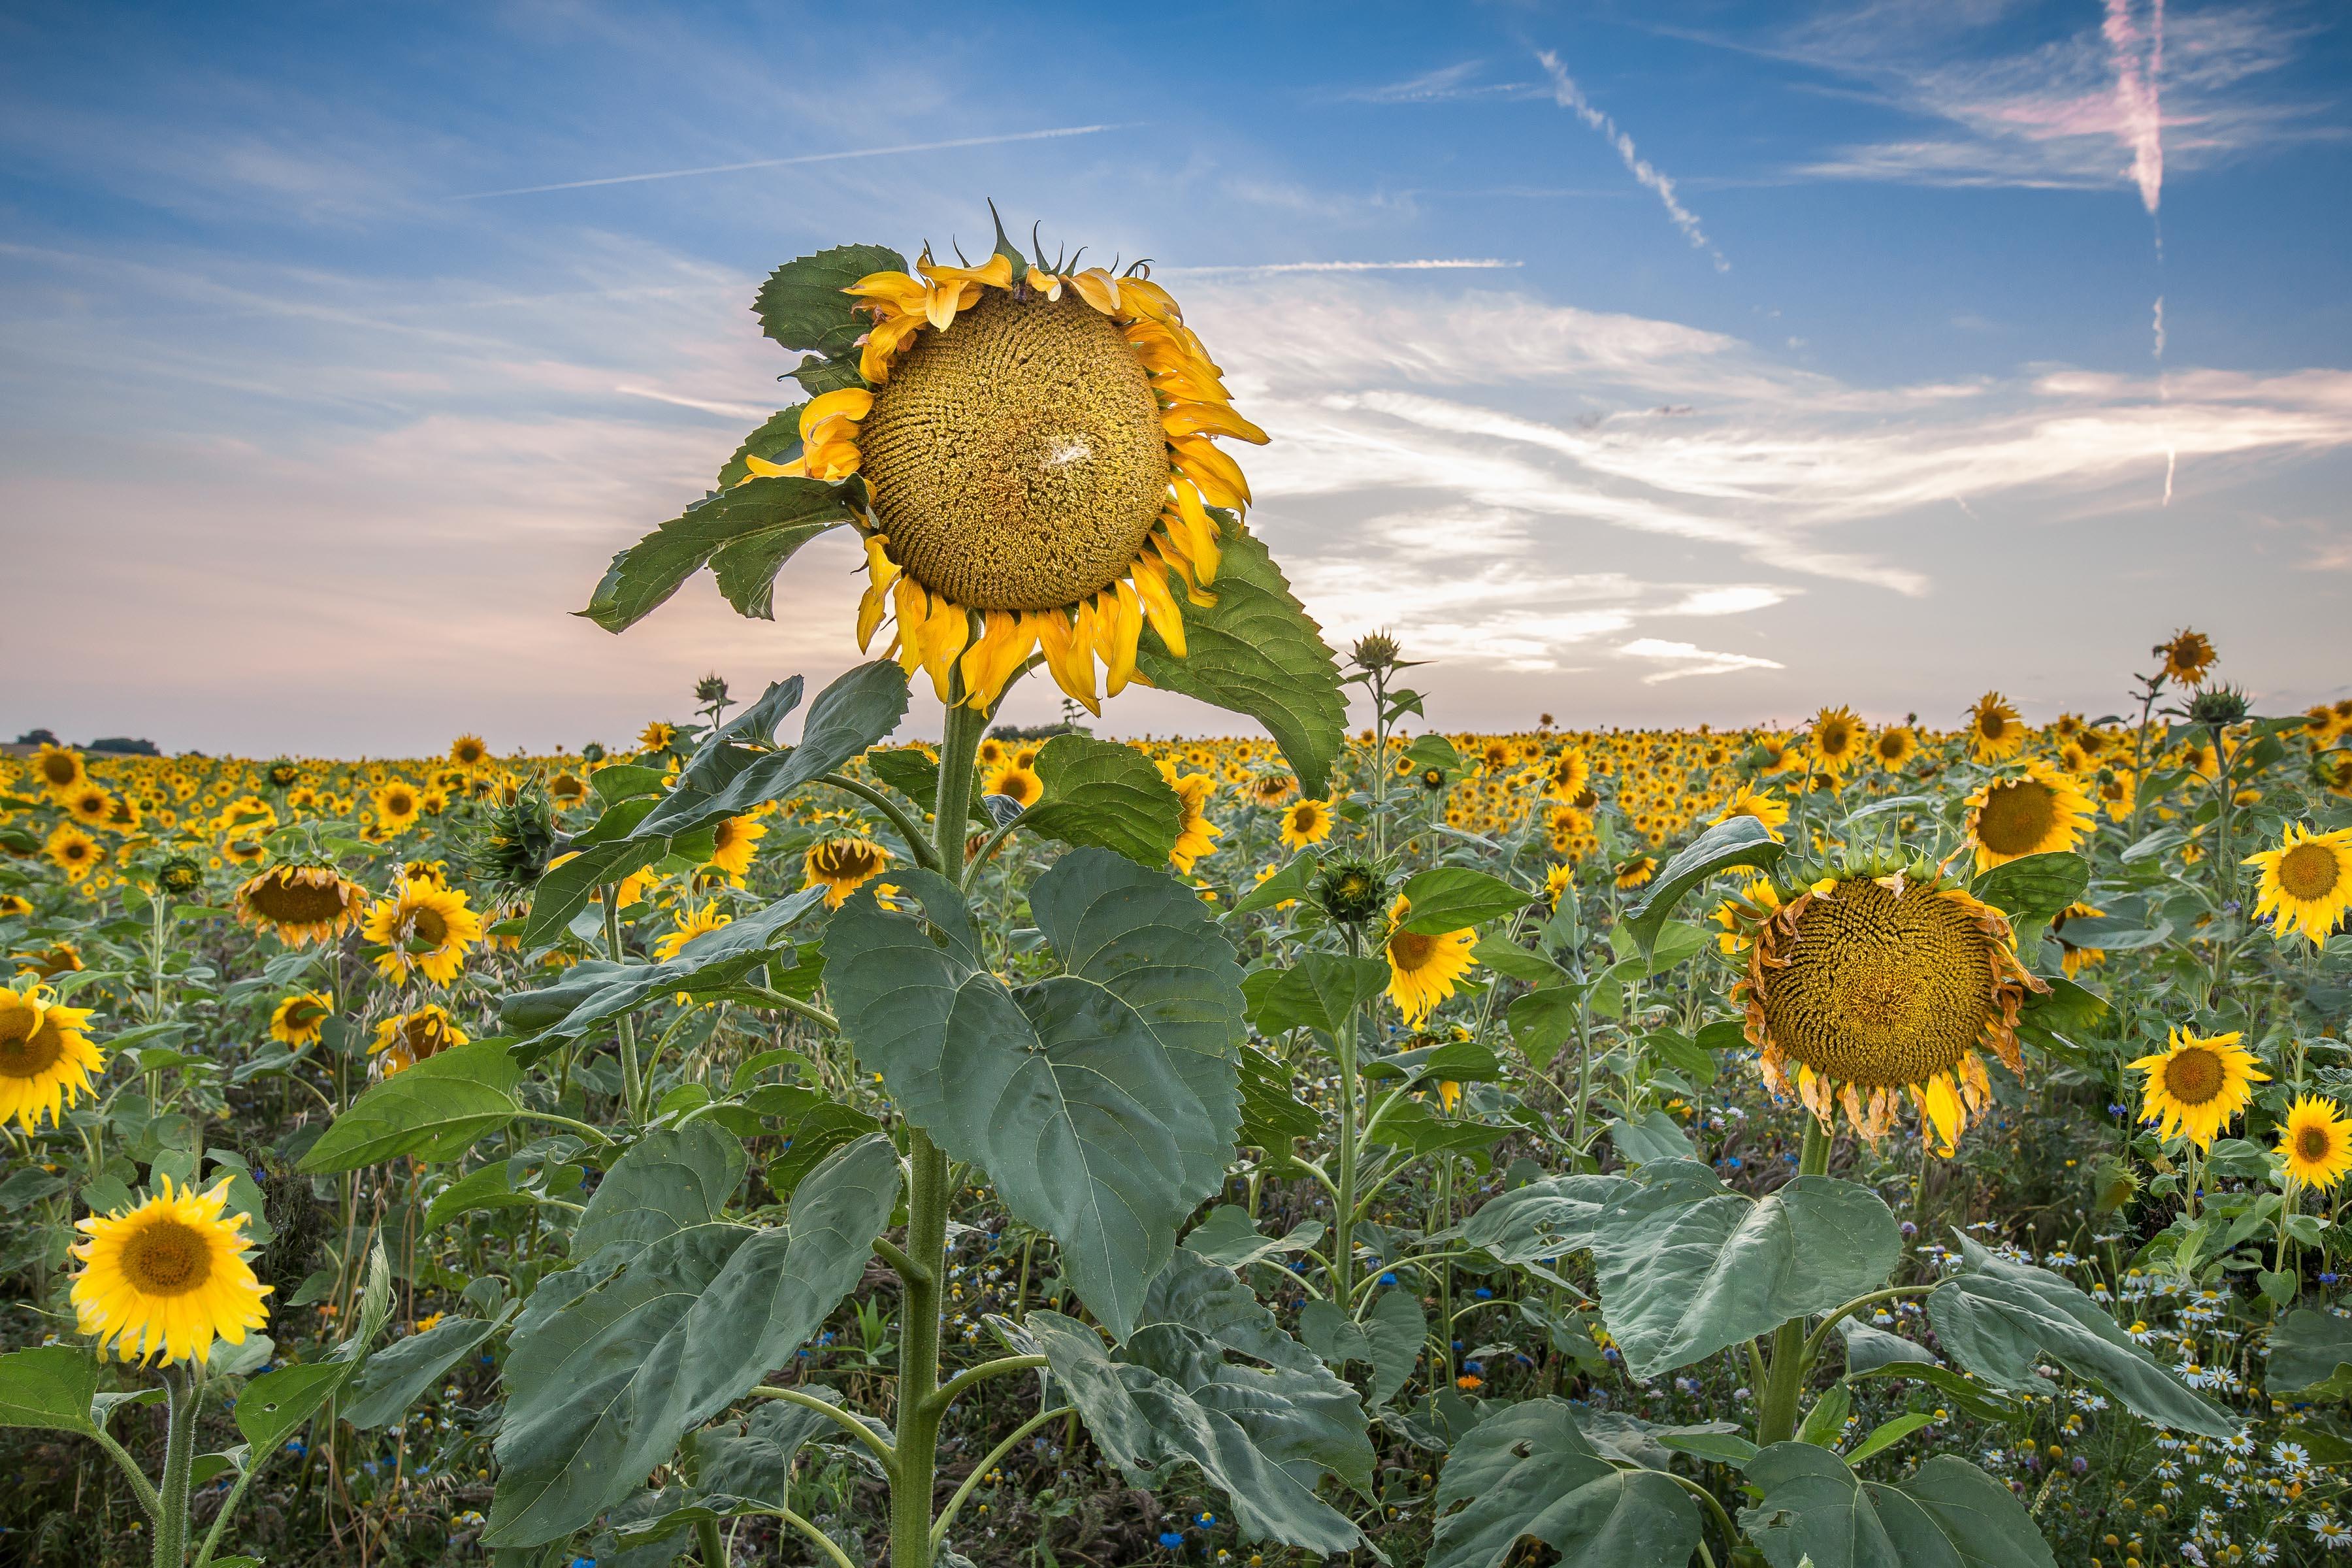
[1448, 899]
[434, 1111]
[50, 1387]
[2311, 1354]
[1105, 794]
[1531, 1472]
[1735, 841]
[778, 441]
[1257, 651]
[1316, 993]
[802, 305]
[1816, 1509]
[744, 534]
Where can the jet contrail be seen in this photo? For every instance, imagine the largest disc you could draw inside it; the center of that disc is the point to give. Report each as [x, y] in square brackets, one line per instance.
[1432, 265]
[1568, 95]
[2140, 111]
[787, 162]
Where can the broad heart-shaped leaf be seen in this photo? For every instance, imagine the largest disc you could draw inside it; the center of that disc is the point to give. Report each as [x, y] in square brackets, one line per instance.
[1544, 1219]
[1208, 1296]
[1317, 991]
[396, 1376]
[435, 1111]
[1297, 1413]
[1227, 1236]
[1996, 1316]
[48, 1386]
[1688, 1266]
[745, 533]
[603, 1389]
[1107, 794]
[594, 991]
[1529, 1472]
[1949, 1514]
[1257, 651]
[1735, 841]
[725, 779]
[668, 1182]
[2311, 1354]
[564, 891]
[274, 1405]
[1398, 1330]
[802, 305]
[2033, 888]
[1143, 1421]
[1454, 898]
[1272, 1115]
[1102, 1101]
[1656, 1136]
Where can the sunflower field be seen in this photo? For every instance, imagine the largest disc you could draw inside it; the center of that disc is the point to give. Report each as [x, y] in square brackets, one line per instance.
[784, 1140]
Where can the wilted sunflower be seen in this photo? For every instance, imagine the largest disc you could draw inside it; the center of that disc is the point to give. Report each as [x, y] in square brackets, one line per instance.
[75, 853]
[1760, 804]
[1036, 449]
[46, 1060]
[406, 1039]
[168, 1277]
[1892, 747]
[2038, 811]
[736, 843]
[1016, 782]
[1994, 731]
[1423, 970]
[424, 928]
[2315, 1142]
[2306, 881]
[301, 1019]
[1836, 739]
[2198, 1083]
[1306, 822]
[2187, 657]
[468, 751]
[1873, 984]
[842, 866]
[60, 768]
[398, 805]
[301, 904]
[1196, 834]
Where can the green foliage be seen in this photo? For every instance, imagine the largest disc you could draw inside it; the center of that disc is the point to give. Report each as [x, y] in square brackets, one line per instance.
[1529, 1471]
[802, 305]
[2311, 1354]
[1107, 795]
[49, 1387]
[434, 1111]
[1950, 1515]
[1733, 842]
[1453, 898]
[744, 534]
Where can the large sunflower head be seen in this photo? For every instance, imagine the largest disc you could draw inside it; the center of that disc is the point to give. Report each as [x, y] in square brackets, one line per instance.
[1306, 822]
[1197, 836]
[2186, 655]
[1423, 970]
[2315, 1142]
[46, 1060]
[2306, 882]
[406, 1039]
[2039, 810]
[735, 843]
[72, 851]
[2198, 1083]
[1892, 747]
[300, 1019]
[1034, 447]
[425, 929]
[469, 752]
[1837, 738]
[1872, 981]
[168, 1277]
[301, 904]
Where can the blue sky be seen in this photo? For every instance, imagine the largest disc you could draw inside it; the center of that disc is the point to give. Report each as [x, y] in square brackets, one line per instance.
[1646, 363]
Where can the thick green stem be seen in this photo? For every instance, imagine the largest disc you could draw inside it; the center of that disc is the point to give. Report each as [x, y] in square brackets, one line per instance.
[185, 1392]
[1784, 1375]
[632, 1088]
[1343, 1217]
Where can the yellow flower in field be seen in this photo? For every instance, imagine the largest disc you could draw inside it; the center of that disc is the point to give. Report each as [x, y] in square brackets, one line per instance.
[60, 768]
[1874, 985]
[301, 904]
[567, 790]
[2187, 657]
[1893, 747]
[1198, 836]
[168, 1277]
[1038, 449]
[1634, 873]
[2198, 1083]
[2034, 812]
[698, 923]
[1994, 732]
[468, 751]
[1306, 822]
[46, 1060]
[424, 928]
[736, 841]
[1741, 913]
[1423, 970]
[57, 958]
[2306, 883]
[842, 866]
[2316, 1141]
[1760, 804]
[74, 852]
[657, 736]
[300, 1019]
[89, 804]
[2116, 793]
[1836, 739]
[1557, 880]
[1015, 781]
[1567, 775]
[14, 904]
[406, 1039]
[1273, 789]
[398, 805]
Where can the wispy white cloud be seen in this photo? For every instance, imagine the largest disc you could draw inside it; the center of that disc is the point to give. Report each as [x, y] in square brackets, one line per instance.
[1272, 269]
[1682, 659]
[1568, 95]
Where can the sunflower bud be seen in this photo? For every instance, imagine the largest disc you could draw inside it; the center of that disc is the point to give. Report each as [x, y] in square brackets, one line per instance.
[2219, 706]
[593, 752]
[1350, 893]
[710, 692]
[179, 876]
[1375, 652]
[283, 772]
[510, 851]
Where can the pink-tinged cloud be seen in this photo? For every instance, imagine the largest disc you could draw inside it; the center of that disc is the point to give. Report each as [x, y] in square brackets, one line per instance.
[2139, 65]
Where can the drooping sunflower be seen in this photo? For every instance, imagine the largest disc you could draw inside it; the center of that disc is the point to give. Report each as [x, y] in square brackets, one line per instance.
[1874, 985]
[406, 1039]
[1273, 789]
[46, 1060]
[1306, 822]
[301, 904]
[2315, 1142]
[1014, 781]
[1893, 747]
[468, 751]
[397, 805]
[168, 1277]
[2198, 1083]
[1762, 804]
[1994, 729]
[300, 1019]
[2186, 655]
[74, 852]
[2039, 810]
[1423, 970]
[1836, 739]
[1635, 871]
[698, 923]
[57, 958]
[1198, 836]
[1037, 447]
[425, 929]
[60, 768]
[737, 843]
[2306, 882]
[842, 866]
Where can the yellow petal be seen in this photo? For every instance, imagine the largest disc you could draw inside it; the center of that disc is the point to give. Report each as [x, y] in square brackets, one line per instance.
[1070, 656]
[1159, 606]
